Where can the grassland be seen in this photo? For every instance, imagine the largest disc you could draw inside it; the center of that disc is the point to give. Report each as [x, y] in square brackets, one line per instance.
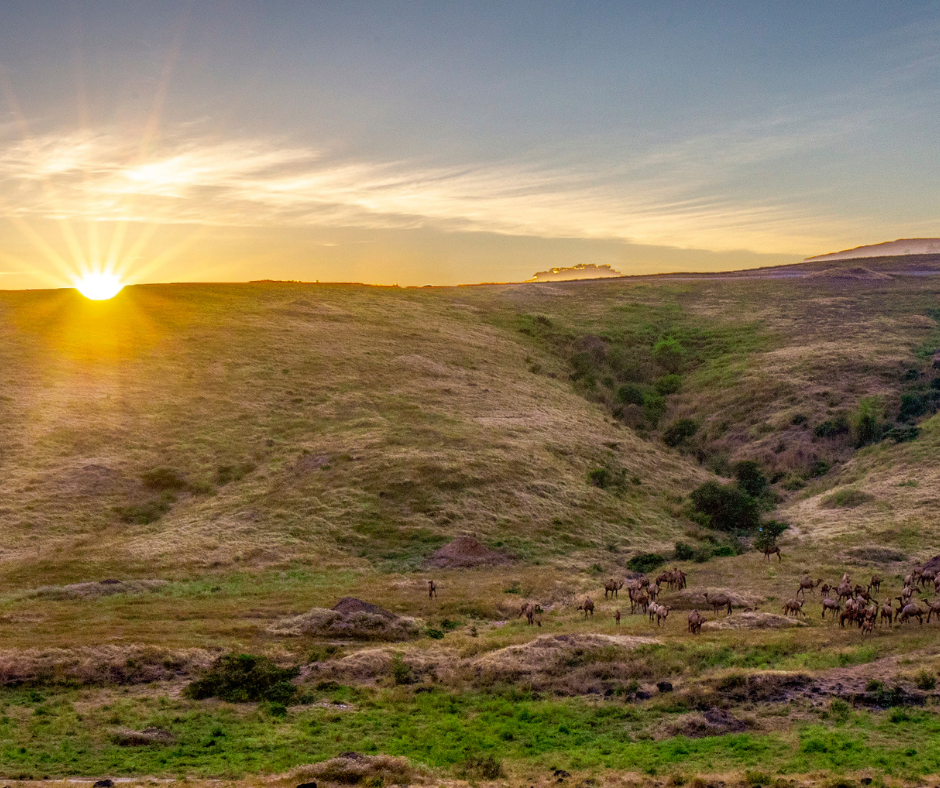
[268, 448]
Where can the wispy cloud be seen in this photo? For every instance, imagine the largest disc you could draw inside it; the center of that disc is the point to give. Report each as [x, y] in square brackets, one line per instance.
[671, 195]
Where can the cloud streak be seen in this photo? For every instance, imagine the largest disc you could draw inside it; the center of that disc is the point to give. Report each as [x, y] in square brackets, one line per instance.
[673, 195]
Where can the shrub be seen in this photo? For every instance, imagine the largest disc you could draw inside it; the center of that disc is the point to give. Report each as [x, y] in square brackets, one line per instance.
[728, 507]
[914, 404]
[679, 432]
[832, 428]
[798, 419]
[645, 562]
[768, 533]
[925, 681]
[242, 678]
[839, 709]
[819, 468]
[483, 767]
[630, 394]
[750, 478]
[901, 433]
[683, 552]
[669, 354]
[867, 425]
[600, 477]
[654, 407]
[401, 671]
[668, 384]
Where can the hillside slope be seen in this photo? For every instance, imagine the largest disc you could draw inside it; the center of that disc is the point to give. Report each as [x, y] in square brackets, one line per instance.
[282, 423]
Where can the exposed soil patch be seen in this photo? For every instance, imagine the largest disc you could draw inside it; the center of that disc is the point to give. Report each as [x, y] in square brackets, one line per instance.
[763, 687]
[350, 618]
[465, 552]
[311, 462]
[714, 722]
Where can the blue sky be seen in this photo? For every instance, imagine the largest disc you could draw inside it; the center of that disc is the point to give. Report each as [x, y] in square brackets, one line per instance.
[441, 142]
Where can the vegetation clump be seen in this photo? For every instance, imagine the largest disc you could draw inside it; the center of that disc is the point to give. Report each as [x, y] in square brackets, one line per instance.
[645, 562]
[244, 678]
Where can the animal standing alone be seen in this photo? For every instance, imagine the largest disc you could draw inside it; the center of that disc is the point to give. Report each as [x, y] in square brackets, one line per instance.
[612, 587]
[432, 589]
[587, 607]
[718, 601]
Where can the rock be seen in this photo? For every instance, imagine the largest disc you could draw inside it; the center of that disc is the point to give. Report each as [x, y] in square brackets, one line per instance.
[104, 784]
[127, 737]
[307, 785]
[643, 695]
[664, 686]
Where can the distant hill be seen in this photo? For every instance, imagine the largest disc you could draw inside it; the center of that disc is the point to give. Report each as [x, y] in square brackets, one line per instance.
[579, 271]
[899, 248]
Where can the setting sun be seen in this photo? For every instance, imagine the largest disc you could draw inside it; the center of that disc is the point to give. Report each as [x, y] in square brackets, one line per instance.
[99, 286]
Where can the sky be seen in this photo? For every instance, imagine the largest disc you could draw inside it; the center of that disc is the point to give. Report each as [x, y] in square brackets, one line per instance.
[441, 142]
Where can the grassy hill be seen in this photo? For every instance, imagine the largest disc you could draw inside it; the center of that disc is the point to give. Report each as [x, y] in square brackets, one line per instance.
[239, 454]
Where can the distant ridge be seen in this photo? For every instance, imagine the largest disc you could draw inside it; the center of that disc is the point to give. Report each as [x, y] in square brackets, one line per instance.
[900, 248]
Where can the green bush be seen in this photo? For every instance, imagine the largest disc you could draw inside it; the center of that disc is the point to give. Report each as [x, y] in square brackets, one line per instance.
[147, 512]
[600, 477]
[630, 394]
[669, 354]
[926, 681]
[915, 404]
[728, 507]
[901, 433]
[679, 432]
[683, 552]
[225, 474]
[832, 428]
[867, 422]
[750, 478]
[668, 384]
[243, 678]
[401, 671]
[645, 562]
[654, 407]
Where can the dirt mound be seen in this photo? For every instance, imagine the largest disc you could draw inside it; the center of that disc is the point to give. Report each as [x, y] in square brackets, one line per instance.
[349, 605]
[465, 552]
[106, 665]
[353, 768]
[694, 599]
[714, 722]
[372, 664]
[753, 621]
[93, 590]
[858, 273]
[546, 651]
[350, 618]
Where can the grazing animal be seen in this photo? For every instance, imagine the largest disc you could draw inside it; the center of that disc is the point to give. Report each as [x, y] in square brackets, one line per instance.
[432, 589]
[696, 620]
[653, 609]
[528, 610]
[794, 606]
[868, 626]
[887, 613]
[824, 589]
[911, 611]
[831, 604]
[807, 583]
[875, 583]
[718, 601]
[844, 590]
[617, 617]
[662, 612]
[653, 591]
[587, 607]
[770, 550]
[639, 599]
[933, 609]
[612, 587]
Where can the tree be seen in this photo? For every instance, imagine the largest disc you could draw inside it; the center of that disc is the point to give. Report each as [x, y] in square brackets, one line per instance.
[750, 478]
[728, 507]
[669, 354]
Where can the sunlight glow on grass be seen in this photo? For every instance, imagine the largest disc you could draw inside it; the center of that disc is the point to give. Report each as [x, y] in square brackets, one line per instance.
[99, 286]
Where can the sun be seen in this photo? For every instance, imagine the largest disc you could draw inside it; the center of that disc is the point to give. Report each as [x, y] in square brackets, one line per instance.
[99, 286]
